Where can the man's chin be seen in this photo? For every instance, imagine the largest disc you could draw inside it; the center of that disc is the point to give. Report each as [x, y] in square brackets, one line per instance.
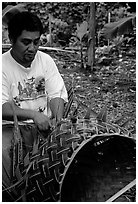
[29, 58]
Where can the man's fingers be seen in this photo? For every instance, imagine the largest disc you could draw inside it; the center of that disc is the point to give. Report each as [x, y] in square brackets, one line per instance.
[49, 122]
[44, 126]
[53, 122]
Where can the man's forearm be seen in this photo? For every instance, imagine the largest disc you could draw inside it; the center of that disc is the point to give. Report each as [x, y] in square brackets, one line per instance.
[57, 108]
[22, 114]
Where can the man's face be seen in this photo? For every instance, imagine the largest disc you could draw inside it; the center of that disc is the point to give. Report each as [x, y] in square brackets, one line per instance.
[25, 47]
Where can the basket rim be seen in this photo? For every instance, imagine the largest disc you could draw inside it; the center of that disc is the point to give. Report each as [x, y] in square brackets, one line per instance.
[80, 147]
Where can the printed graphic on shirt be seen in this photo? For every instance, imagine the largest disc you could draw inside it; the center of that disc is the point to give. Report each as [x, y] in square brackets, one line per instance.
[33, 88]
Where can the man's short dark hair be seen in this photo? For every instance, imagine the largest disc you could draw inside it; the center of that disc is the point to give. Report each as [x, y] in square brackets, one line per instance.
[23, 21]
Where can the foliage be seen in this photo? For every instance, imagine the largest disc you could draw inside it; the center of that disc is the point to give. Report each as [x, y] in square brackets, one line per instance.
[121, 27]
[82, 29]
[68, 27]
[66, 15]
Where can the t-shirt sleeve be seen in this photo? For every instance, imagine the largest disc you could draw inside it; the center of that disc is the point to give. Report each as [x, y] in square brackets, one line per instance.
[5, 88]
[55, 85]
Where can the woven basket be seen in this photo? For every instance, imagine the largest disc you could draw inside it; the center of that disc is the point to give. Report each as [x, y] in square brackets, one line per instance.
[85, 161]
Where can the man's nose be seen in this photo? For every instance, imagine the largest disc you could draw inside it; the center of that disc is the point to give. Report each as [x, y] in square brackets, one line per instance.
[31, 47]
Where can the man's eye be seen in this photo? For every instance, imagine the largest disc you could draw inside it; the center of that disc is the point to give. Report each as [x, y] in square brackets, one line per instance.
[36, 42]
[26, 42]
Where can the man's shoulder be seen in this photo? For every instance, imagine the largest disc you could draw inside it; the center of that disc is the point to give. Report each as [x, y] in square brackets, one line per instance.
[45, 61]
[6, 57]
[6, 54]
[43, 55]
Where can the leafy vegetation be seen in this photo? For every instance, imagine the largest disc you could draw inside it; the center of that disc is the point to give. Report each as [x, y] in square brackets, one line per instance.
[121, 27]
[66, 15]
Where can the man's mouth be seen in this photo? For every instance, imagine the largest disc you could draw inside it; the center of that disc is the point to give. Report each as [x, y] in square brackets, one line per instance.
[30, 55]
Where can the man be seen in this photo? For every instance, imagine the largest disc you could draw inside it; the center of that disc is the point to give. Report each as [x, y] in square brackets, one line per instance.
[30, 77]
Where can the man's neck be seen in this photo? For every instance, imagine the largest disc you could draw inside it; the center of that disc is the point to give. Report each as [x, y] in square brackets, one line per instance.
[24, 64]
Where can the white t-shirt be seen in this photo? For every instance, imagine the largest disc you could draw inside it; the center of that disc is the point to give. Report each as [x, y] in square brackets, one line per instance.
[33, 87]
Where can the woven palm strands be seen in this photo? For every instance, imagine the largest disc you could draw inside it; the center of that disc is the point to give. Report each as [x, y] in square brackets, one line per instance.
[64, 166]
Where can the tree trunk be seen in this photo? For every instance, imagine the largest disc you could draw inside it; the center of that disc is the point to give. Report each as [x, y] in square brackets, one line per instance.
[91, 42]
[50, 31]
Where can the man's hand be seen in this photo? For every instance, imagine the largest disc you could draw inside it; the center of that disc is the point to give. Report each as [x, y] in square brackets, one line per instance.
[41, 121]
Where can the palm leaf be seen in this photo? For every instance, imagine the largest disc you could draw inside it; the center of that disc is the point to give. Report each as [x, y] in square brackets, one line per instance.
[90, 112]
[123, 26]
[69, 103]
[119, 120]
[82, 29]
[126, 122]
[101, 117]
[17, 142]
[74, 114]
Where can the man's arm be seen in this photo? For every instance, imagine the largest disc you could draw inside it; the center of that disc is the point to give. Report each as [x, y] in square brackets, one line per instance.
[42, 121]
[57, 108]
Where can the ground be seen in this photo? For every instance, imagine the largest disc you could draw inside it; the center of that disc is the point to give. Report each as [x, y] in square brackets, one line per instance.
[113, 84]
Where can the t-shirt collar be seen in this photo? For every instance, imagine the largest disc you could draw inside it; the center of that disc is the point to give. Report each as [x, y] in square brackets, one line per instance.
[26, 69]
